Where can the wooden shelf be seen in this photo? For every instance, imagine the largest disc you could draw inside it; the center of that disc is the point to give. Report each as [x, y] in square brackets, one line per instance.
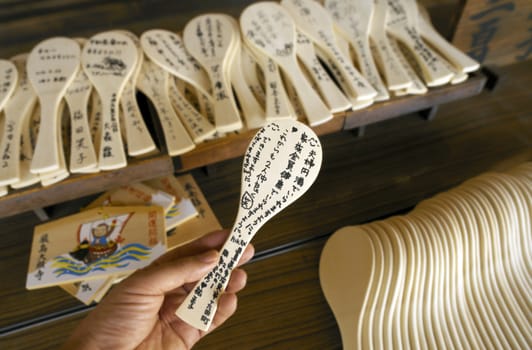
[222, 149]
[235, 145]
[77, 186]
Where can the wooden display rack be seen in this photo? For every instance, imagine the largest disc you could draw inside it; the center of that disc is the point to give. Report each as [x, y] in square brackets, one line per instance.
[37, 197]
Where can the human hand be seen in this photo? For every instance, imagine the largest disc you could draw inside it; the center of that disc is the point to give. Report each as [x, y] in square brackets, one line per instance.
[139, 313]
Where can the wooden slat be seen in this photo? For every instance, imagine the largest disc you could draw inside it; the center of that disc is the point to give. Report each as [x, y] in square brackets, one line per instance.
[399, 106]
[82, 185]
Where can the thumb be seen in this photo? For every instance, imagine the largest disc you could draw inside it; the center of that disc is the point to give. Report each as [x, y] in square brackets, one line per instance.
[162, 278]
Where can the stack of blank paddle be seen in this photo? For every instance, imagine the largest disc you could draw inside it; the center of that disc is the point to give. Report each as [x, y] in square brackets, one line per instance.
[455, 273]
[70, 104]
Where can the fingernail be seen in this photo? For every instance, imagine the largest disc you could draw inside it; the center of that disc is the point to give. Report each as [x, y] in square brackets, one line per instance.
[208, 257]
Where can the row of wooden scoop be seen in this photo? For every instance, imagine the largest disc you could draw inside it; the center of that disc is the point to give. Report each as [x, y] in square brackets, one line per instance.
[282, 61]
[455, 273]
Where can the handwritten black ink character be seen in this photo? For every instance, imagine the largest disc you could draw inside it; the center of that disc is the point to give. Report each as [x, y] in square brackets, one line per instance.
[85, 288]
[285, 175]
[39, 274]
[107, 152]
[247, 201]
[81, 158]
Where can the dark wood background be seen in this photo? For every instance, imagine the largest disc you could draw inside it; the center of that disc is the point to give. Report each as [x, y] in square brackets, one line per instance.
[398, 163]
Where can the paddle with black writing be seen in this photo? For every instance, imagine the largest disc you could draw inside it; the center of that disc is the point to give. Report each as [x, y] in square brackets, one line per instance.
[109, 59]
[52, 65]
[8, 81]
[17, 111]
[353, 19]
[209, 39]
[313, 20]
[281, 163]
[268, 28]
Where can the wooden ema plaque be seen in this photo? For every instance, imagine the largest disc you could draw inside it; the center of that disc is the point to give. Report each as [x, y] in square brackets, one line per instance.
[496, 32]
[95, 243]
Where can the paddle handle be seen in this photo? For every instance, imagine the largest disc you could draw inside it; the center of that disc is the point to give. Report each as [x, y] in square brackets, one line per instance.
[352, 78]
[226, 115]
[199, 307]
[251, 108]
[139, 140]
[46, 155]
[277, 101]
[176, 137]
[315, 110]
[111, 150]
[367, 65]
[458, 59]
[333, 96]
[434, 71]
[82, 154]
[197, 125]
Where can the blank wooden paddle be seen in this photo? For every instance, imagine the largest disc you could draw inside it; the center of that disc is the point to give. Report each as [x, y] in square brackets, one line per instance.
[8, 81]
[109, 59]
[17, 111]
[504, 278]
[269, 29]
[280, 164]
[139, 140]
[314, 21]
[153, 82]
[353, 19]
[51, 67]
[208, 39]
[347, 269]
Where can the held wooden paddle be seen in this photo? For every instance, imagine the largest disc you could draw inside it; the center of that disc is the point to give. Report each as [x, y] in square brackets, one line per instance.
[280, 164]
[109, 59]
[51, 67]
